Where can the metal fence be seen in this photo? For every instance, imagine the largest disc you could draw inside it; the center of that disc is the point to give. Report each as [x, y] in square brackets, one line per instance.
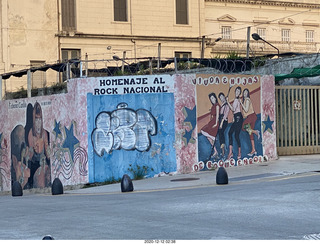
[23, 80]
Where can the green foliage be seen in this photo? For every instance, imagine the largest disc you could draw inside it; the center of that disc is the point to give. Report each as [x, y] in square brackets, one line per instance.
[139, 172]
[54, 89]
[258, 62]
[233, 55]
[107, 182]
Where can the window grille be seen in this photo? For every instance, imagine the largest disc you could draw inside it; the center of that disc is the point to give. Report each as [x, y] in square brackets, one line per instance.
[309, 36]
[226, 32]
[285, 35]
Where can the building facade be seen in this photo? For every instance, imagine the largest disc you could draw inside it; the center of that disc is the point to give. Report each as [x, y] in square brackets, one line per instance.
[291, 26]
[35, 32]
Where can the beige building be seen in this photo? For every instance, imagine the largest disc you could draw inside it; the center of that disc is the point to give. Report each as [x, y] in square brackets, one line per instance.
[289, 25]
[37, 32]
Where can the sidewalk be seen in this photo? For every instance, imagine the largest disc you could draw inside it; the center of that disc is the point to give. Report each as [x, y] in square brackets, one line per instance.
[285, 165]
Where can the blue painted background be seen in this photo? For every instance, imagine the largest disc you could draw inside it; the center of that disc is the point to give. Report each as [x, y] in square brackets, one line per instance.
[160, 157]
[205, 148]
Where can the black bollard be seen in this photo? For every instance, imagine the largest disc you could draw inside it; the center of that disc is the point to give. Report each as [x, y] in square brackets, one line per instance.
[126, 184]
[57, 187]
[222, 176]
[47, 237]
[16, 189]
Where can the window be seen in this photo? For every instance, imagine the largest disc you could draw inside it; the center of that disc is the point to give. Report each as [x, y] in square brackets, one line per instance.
[226, 32]
[262, 32]
[68, 14]
[38, 77]
[68, 54]
[309, 36]
[182, 54]
[182, 12]
[120, 10]
[285, 35]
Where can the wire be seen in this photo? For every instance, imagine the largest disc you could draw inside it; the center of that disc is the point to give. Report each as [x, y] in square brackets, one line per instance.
[242, 28]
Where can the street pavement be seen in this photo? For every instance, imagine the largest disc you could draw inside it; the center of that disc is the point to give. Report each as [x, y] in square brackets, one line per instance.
[284, 165]
[276, 203]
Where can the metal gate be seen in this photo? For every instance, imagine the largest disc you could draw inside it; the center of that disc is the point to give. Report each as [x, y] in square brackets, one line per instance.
[297, 112]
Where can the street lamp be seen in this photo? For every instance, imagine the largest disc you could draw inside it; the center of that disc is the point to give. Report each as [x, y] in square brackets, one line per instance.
[116, 58]
[256, 37]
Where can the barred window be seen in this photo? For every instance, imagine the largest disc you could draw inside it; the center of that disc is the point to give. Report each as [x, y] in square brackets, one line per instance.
[182, 54]
[309, 36]
[262, 32]
[226, 32]
[182, 12]
[68, 14]
[68, 54]
[120, 10]
[38, 77]
[285, 35]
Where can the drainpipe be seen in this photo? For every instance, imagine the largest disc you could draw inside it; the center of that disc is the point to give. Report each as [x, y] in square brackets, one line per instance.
[29, 83]
[58, 36]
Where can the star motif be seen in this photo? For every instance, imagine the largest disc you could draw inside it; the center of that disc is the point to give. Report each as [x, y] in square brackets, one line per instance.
[190, 115]
[189, 121]
[268, 125]
[187, 137]
[57, 129]
[71, 141]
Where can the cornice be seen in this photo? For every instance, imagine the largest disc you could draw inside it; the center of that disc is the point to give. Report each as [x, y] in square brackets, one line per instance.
[270, 3]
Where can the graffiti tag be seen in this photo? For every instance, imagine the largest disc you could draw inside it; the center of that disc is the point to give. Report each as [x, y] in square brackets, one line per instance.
[123, 128]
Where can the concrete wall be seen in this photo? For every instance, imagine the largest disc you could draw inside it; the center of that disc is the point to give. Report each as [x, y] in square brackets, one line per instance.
[105, 127]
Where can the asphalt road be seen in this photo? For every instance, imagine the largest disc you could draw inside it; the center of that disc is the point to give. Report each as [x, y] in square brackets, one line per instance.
[285, 207]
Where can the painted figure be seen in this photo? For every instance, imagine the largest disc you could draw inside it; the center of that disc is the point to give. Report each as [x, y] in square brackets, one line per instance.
[38, 153]
[237, 122]
[250, 118]
[223, 122]
[211, 129]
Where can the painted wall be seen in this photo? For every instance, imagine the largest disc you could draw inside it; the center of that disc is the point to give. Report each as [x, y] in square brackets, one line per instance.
[43, 138]
[105, 127]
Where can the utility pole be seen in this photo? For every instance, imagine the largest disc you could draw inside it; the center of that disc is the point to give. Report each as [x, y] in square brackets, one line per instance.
[202, 47]
[159, 58]
[29, 82]
[123, 58]
[248, 41]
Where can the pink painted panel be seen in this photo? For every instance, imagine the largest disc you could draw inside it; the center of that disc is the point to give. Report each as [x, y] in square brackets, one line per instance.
[268, 117]
[185, 119]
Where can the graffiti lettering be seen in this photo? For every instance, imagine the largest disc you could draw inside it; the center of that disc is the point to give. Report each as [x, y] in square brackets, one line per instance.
[124, 82]
[146, 89]
[226, 81]
[132, 85]
[123, 128]
[105, 91]
[227, 164]
[17, 104]
[158, 81]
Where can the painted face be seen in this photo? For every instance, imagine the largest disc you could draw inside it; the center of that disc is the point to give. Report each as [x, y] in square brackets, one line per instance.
[222, 98]
[245, 93]
[237, 92]
[213, 99]
[37, 124]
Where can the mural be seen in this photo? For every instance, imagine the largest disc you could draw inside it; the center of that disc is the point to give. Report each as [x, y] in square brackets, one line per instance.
[268, 118]
[30, 151]
[120, 125]
[229, 120]
[130, 132]
[69, 157]
[4, 165]
[185, 123]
